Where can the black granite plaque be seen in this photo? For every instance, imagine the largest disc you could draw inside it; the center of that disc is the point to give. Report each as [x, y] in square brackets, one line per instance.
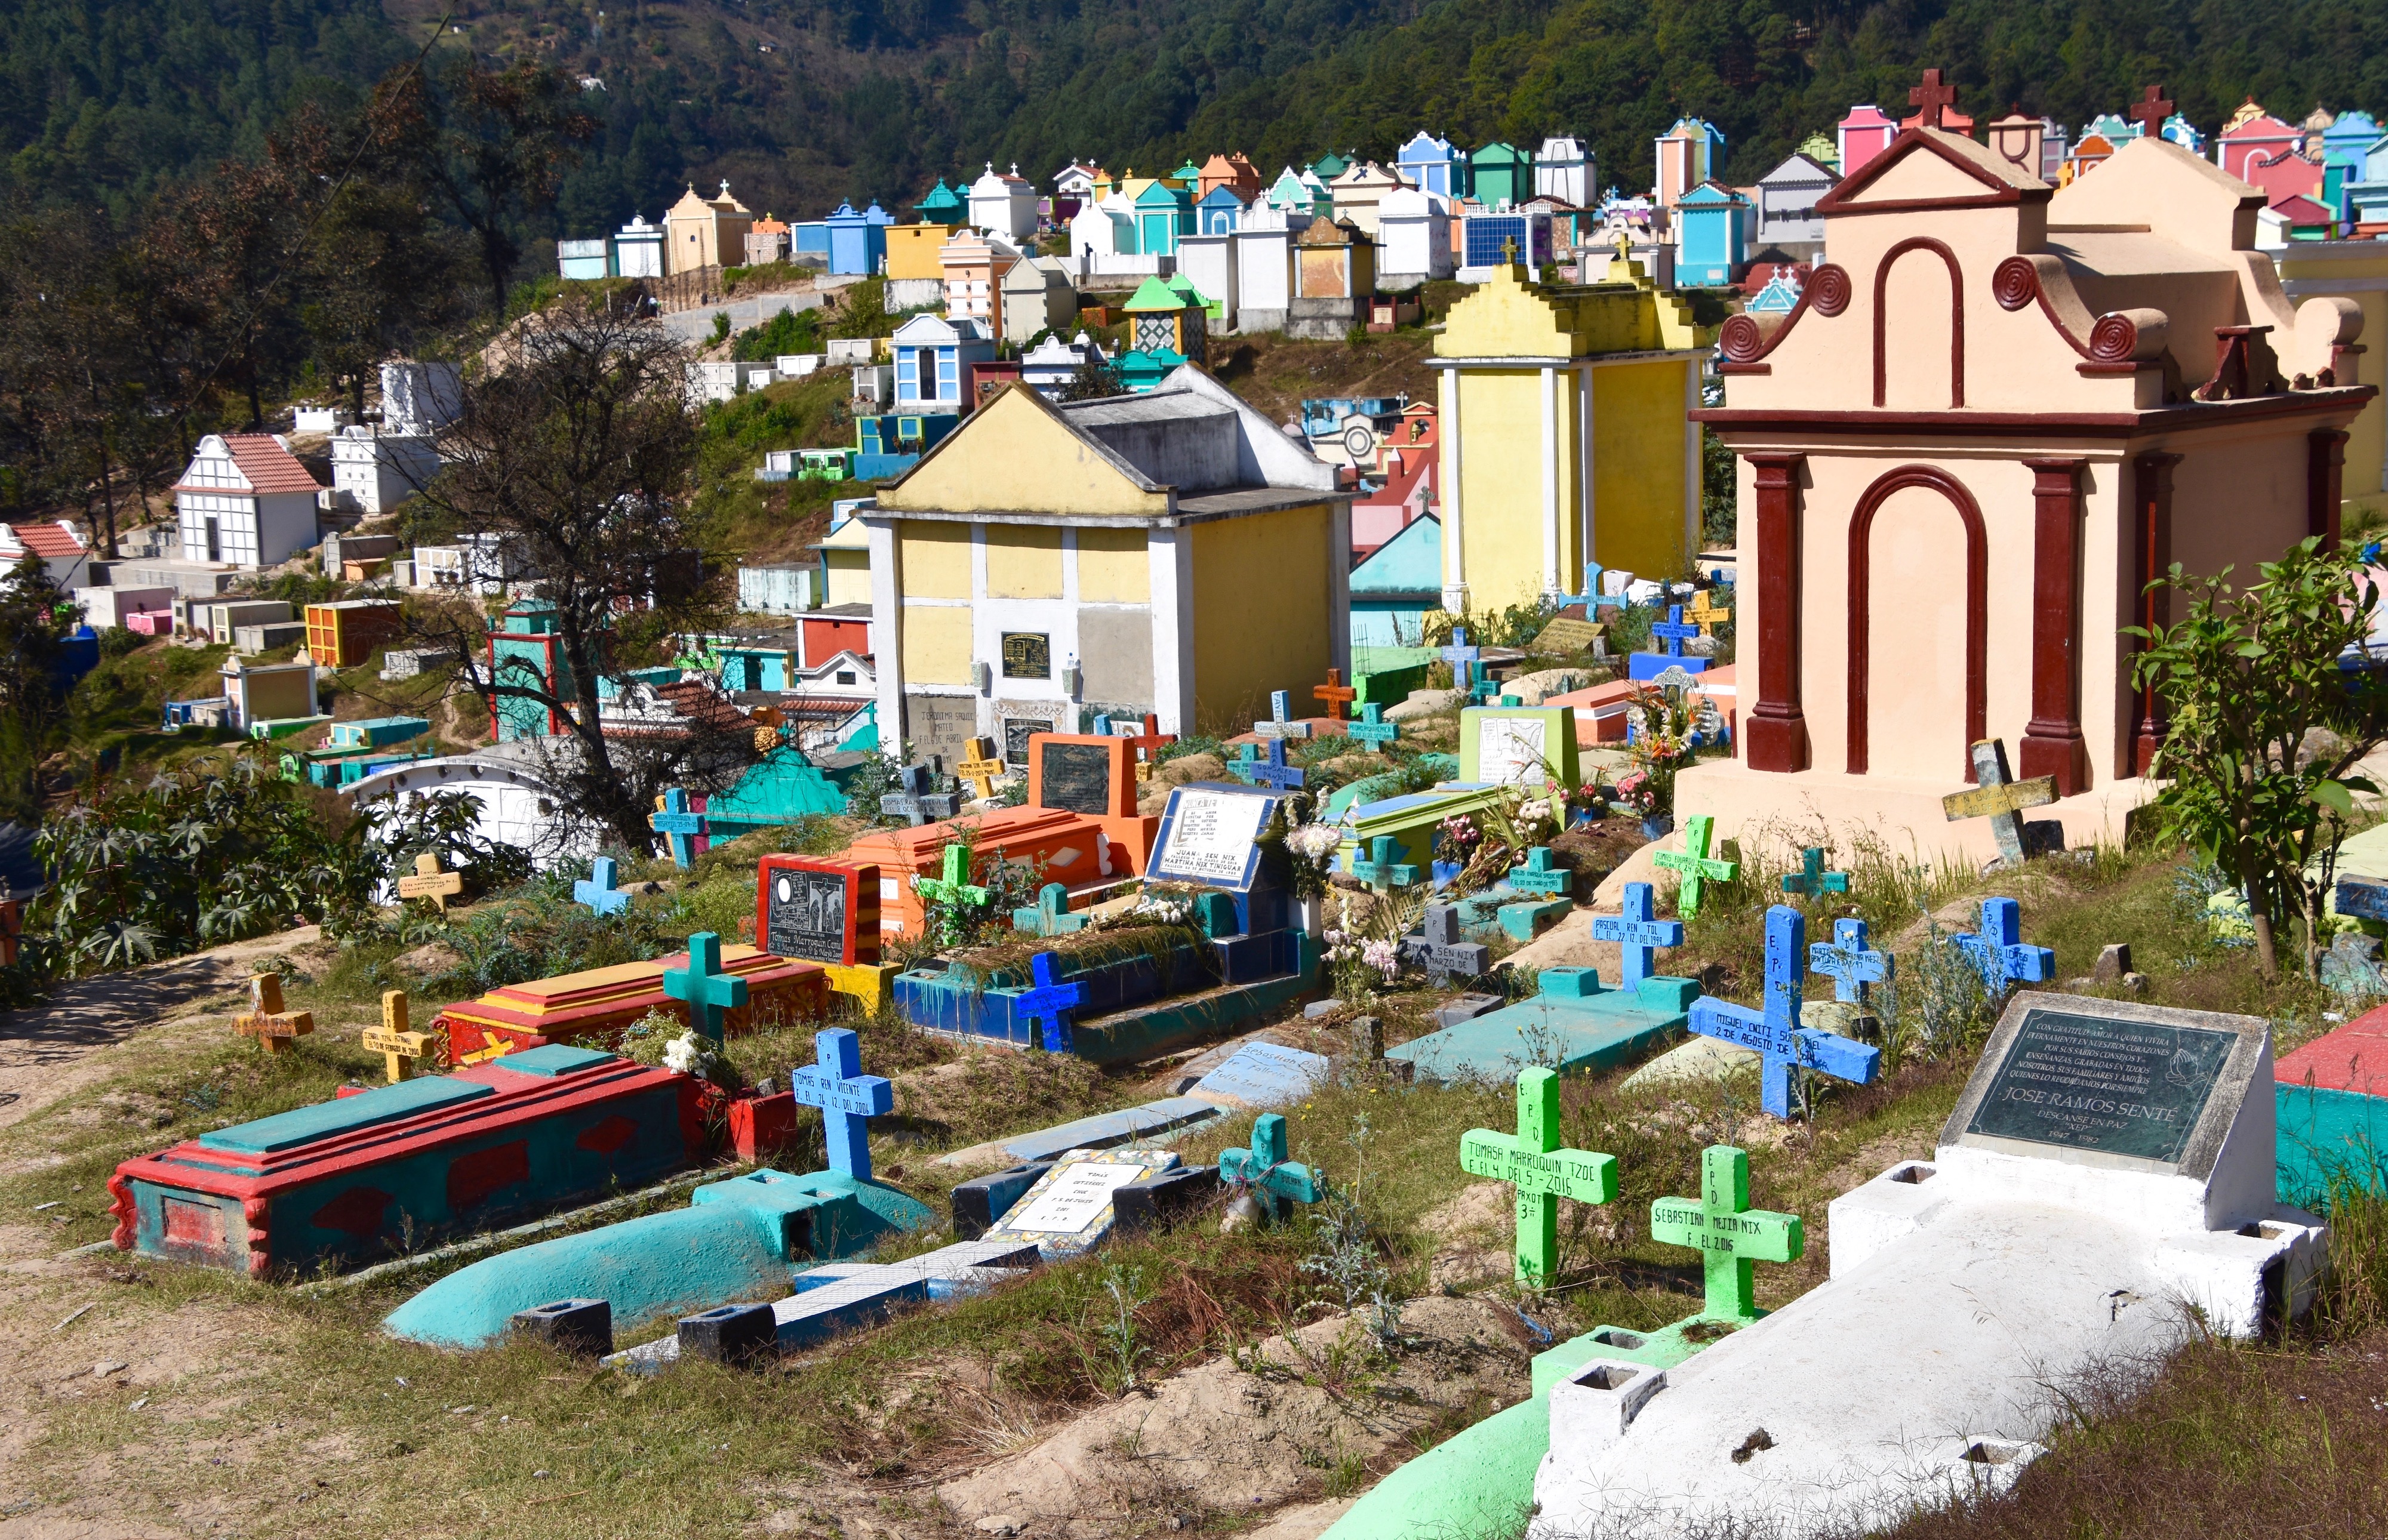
[807, 914]
[1077, 777]
[1027, 655]
[1017, 731]
[2106, 1083]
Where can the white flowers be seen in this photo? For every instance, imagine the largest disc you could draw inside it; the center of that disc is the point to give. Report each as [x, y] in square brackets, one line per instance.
[1315, 843]
[690, 1054]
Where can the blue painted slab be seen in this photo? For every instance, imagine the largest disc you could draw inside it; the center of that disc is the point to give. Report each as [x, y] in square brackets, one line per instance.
[551, 1059]
[1110, 1129]
[1649, 665]
[1574, 1024]
[287, 1130]
[1262, 1075]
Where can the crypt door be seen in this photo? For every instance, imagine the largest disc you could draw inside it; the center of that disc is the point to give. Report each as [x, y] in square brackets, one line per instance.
[1918, 566]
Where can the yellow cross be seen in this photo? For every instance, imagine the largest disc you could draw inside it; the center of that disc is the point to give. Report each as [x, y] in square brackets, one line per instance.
[274, 1029]
[981, 769]
[398, 1048]
[430, 882]
[1703, 613]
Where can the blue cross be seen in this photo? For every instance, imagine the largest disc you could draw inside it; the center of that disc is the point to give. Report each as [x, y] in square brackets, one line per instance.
[1846, 962]
[1775, 1031]
[1591, 595]
[598, 892]
[1263, 1169]
[1673, 631]
[1050, 1003]
[1050, 915]
[1383, 867]
[682, 827]
[847, 1099]
[1102, 724]
[1998, 952]
[1541, 875]
[1459, 655]
[1271, 772]
[1637, 933]
[1372, 728]
[1280, 705]
[709, 992]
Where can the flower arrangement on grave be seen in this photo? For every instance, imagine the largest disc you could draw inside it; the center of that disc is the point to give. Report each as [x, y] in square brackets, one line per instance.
[1638, 793]
[1663, 724]
[1360, 960]
[1311, 847]
[1457, 839]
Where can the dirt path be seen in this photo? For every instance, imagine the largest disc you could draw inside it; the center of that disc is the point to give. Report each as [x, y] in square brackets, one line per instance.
[46, 1049]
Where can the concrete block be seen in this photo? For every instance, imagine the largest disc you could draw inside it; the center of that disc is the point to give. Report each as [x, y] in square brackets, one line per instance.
[581, 1327]
[1162, 1202]
[980, 1202]
[728, 1334]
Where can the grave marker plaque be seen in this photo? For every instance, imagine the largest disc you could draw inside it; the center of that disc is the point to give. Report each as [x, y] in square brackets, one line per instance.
[809, 913]
[1017, 731]
[2094, 1081]
[1075, 777]
[1207, 835]
[1027, 655]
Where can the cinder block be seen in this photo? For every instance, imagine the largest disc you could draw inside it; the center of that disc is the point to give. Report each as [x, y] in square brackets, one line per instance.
[583, 1327]
[1160, 1203]
[729, 1333]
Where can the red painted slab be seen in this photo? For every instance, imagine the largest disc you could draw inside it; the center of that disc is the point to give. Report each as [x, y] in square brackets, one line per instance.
[2354, 1057]
[591, 1008]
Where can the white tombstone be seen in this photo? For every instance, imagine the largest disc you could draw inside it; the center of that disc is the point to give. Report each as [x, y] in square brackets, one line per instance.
[1209, 263]
[1003, 204]
[638, 248]
[1564, 170]
[374, 472]
[418, 397]
[2103, 1191]
[1264, 277]
[1414, 229]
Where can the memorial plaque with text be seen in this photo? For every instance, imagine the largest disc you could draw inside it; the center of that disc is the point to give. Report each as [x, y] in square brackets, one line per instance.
[1027, 655]
[1075, 777]
[807, 916]
[1207, 835]
[2113, 1084]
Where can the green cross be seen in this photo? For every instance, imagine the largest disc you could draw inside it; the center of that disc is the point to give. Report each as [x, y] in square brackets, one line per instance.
[1265, 1169]
[1384, 867]
[710, 994]
[1812, 880]
[1693, 862]
[1532, 1161]
[1732, 1237]
[1541, 875]
[953, 889]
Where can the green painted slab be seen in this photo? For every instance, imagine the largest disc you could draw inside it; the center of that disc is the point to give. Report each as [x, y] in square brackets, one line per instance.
[552, 1059]
[287, 1130]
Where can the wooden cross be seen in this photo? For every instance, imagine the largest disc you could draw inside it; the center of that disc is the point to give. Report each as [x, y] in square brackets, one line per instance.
[1775, 1031]
[2150, 112]
[1704, 613]
[1383, 866]
[1445, 955]
[1460, 656]
[599, 894]
[1050, 916]
[1674, 632]
[680, 827]
[849, 1099]
[1541, 875]
[1998, 799]
[1850, 963]
[1638, 935]
[430, 882]
[1997, 951]
[1271, 772]
[1731, 1237]
[1264, 1170]
[1147, 743]
[1532, 1161]
[1812, 880]
[1934, 98]
[710, 994]
[274, 1029]
[981, 767]
[398, 1048]
[1049, 1003]
[953, 892]
[1335, 692]
[1694, 865]
[1372, 729]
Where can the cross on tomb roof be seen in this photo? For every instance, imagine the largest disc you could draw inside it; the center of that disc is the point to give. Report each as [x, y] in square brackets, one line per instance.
[1731, 1237]
[1848, 962]
[1673, 631]
[597, 892]
[1050, 916]
[709, 994]
[1263, 1169]
[1775, 1031]
[1532, 1161]
[1694, 865]
[847, 1099]
[1541, 874]
[2150, 112]
[1049, 1003]
[1933, 97]
[1637, 934]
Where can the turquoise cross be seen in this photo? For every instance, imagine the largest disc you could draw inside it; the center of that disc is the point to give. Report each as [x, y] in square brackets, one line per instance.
[1775, 1031]
[1849, 963]
[1050, 915]
[1812, 880]
[598, 893]
[1265, 1169]
[1049, 1003]
[681, 826]
[1384, 867]
[1541, 874]
[1371, 727]
[1997, 951]
[1271, 772]
[709, 993]
[1638, 935]
[847, 1099]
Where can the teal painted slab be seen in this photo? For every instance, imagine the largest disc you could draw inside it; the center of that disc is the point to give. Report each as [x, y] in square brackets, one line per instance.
[2326, 1135]
[1573, 1025]
[287, 1130]
[552, 1059]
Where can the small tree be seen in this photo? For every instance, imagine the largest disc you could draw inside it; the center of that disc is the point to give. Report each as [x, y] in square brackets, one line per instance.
[2266, 725]
[1096, 378]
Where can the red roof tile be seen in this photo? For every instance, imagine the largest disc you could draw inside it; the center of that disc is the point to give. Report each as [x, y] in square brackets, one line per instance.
[46, 541]
[269, 466]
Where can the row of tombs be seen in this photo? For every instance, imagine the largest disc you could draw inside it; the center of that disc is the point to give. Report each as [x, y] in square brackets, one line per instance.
[2112, 1172]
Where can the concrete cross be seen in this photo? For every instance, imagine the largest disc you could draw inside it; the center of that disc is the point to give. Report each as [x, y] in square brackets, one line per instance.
[1590, 597]
[680, 826]
[1532, 1161]
[847, 1099]
[1731, 1237]
[1695, 865]
[1050, 915]
[1335, 692]
[1271, 772]
[1997, 951]
[1849, 963]
[1704, 613]
[1993, 796]
[274, 1029]
[982, 766]
[400, 1049]
[1265, 1171]
[1933, 97]
[597, 894]
[1049, 1003]
[2150, 112]
[1383, 869]
[1460, 656]
[1812, 880]
[430, 882]
[1775, 1031]
[1541, 874]
[1673, 631]
[954, 890]
[709, 994]
[1637, 934]
[1445, 955]
[913, 801]
[1371, 727]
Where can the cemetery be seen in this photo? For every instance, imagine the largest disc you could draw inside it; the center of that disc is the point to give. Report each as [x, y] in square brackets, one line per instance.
[1057, 1012]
